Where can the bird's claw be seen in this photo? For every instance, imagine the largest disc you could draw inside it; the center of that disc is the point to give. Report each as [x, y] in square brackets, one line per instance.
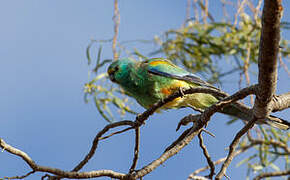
[181, 91]
[139, 121]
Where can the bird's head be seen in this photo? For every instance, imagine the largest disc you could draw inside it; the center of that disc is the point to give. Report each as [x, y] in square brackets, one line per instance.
[119, 70]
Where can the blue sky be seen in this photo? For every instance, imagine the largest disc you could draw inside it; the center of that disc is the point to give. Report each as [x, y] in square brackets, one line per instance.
[43, 69]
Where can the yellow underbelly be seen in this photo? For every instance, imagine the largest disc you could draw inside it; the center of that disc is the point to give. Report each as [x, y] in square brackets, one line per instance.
[197, 100]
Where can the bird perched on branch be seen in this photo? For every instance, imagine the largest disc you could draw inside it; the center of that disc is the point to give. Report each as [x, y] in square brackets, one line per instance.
[155, 79]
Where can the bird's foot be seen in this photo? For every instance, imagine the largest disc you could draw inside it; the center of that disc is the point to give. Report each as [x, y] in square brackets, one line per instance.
[181, 89]
[139, 121]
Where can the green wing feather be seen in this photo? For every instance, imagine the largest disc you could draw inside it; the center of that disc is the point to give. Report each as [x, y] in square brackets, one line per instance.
[163, 67]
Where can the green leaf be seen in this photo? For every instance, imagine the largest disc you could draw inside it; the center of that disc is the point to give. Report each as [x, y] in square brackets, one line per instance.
[276, 168]
[98, 105]
[246, 160]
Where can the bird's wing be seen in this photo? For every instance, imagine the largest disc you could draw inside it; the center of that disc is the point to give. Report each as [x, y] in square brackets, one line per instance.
[163, 67]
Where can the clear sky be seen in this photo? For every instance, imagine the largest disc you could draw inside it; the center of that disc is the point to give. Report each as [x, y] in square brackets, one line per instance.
[43, 69]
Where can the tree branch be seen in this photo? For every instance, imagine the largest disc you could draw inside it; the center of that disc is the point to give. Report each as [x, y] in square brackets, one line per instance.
[233, 146]
[144, 116]
[272, 174]
[167, 154]
[281, 102]
[19, 153]
[186, 138]
[229, 99]
[243, 149]
[117, 132]
[55, 171]
[96, 141]
[136, 150]
[268, 53]
[207, 156]
[116, 19]
[190, 133]
[19, 177]
[272, 143]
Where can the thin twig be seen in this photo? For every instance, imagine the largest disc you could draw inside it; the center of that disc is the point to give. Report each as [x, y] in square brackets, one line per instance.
[243, 149]
[96, 141]
[195, 10]
[188, 5]
[60, 173]
[207, 156]
[256, 13]
[20, 177]
[239, 11]
[208, 132]
[116, 19]
[136, 150]
[197, 178]
[246, 70]
[272, 143]
[272, 174]
[169, 153]
[205, 11]
[117, 132]
[233, 146]
[284, 65]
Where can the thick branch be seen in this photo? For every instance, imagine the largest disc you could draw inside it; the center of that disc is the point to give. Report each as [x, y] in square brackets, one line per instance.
[268, 53]
[281, 102]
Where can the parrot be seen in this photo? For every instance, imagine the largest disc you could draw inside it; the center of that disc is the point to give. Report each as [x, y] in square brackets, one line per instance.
[152, 80]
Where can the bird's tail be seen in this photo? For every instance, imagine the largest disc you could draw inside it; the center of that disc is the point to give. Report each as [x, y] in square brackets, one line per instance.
[245, 113]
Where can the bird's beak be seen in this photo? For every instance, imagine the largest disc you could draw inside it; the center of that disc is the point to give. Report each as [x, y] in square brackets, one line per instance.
[111, 74]
[112, 77]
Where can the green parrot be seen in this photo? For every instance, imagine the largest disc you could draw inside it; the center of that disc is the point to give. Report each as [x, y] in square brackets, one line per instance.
[154, 79]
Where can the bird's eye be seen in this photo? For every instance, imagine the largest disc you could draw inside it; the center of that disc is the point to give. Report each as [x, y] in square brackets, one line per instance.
[112, 72]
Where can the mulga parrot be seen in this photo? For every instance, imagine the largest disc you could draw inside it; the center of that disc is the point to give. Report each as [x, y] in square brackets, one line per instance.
[154, 79]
